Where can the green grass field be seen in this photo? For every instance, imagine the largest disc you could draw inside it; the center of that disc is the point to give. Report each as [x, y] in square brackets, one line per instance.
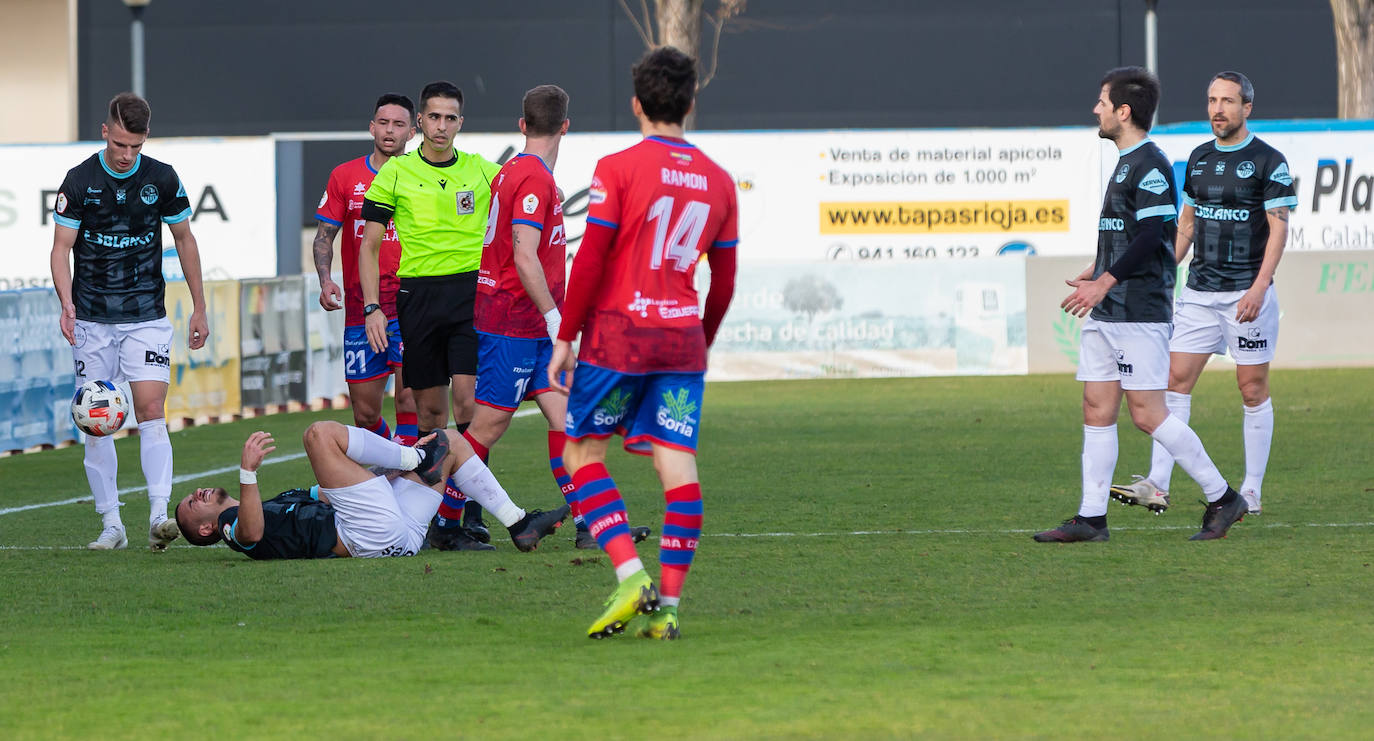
[866, 572]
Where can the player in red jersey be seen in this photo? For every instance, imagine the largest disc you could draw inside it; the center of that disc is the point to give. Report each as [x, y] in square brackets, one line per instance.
[655, 209]
[340, 209]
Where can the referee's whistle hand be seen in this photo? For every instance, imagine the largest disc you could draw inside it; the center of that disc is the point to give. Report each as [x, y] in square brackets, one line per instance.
[376, 331]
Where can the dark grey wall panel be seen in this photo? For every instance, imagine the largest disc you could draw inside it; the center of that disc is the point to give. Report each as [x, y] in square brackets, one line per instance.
[255, 66]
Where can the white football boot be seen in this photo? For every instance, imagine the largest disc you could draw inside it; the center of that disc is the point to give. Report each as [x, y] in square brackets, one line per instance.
[1142, 492]
[162, 534]
[1252, 501]
[112, 538]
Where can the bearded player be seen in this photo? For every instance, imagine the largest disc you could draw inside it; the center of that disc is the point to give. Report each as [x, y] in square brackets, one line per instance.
[656, 208]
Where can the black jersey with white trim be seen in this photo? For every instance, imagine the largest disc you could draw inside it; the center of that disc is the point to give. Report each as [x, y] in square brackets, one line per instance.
[1141, 187]
[1231, 188]
[118, 218]
[294, 525]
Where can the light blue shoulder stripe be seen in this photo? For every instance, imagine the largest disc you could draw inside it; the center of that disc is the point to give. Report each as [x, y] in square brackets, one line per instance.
[1188, 200]
[1289, 201]
[1166, 211]
[64, 221]
[184, 215]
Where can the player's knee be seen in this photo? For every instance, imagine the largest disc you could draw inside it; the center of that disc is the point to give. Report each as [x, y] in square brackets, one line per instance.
[318, 434]
[1254, 393]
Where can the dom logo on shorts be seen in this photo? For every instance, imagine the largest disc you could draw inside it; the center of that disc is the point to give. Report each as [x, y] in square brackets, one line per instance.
[1253, 342]
[158, 357]
[675, 413]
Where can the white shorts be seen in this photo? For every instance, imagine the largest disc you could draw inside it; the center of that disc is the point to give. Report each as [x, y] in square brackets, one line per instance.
[380, 518]
[139, 351]
[1134, 353]
[1205, 323]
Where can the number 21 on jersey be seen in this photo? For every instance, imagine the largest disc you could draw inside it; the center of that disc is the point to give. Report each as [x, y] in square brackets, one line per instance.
[680, 243]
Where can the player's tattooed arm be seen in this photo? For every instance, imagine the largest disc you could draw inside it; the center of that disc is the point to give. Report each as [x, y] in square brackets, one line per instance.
[1279, 212]
[323, 248]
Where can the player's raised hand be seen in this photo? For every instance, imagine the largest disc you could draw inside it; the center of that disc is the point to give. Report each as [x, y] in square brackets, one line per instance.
[198, 330]
[257, 447]
[375, 324]
[68, 323]
[561, 367]
[331, 296]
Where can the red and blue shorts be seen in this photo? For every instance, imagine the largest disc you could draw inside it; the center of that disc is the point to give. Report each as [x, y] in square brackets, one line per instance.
[644, 408]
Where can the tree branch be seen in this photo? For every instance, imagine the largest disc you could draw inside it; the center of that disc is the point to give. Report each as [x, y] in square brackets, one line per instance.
[728, 9]
[643, 30]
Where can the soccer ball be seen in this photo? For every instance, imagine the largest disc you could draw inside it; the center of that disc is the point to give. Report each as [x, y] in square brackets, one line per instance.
[99, 408]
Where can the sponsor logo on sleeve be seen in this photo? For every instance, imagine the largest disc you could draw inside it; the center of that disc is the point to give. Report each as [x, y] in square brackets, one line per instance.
[61, 203]
[1155, 182]
[1280, 174]
[530, 204]
[1121, 174]
[324, 198]
[597, 193]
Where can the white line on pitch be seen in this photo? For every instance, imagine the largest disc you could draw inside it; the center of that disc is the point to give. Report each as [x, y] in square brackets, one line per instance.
[1267, 526]
[190, 477]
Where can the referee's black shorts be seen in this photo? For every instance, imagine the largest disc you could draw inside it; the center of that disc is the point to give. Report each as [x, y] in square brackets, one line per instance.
[435, 316]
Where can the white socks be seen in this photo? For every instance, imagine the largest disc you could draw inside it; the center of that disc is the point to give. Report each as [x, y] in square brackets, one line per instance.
[370, 449]
[101, 467]
[1161, 463]
[155, 453]
[477, 482]
[1099, 461]
[1185, 447]
[1259, 433]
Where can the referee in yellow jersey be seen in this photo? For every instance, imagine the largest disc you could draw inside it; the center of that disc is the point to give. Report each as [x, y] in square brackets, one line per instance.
[438, 198]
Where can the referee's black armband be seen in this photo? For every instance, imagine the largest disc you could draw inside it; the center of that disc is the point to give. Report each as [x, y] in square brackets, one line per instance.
[1146, 241]
[378, 212]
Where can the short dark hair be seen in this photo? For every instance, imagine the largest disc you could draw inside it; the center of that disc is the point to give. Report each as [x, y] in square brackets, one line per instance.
[403, 101]
[545, 108]
[131, 112]
[1136, 87]
[665, 82]
[188, 530]
[441, 89]
[1247, 91]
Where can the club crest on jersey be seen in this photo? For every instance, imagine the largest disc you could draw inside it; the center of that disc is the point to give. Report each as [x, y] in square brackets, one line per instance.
[359, 188]
[1245, 169]
[1155, 182]
[530, 204]
[147, 194]
[1121, 174]
[61, 203]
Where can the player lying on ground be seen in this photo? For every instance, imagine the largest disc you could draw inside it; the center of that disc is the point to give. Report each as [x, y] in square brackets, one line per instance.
[353, 511]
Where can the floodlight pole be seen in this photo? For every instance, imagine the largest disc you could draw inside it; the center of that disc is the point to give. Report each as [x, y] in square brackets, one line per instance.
[136, 44]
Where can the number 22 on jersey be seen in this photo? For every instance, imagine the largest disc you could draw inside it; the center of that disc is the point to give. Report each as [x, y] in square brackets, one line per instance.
[680, 243]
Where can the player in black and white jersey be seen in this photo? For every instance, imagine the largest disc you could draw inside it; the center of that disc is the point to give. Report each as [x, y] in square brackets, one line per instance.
[109, 215]
[1124, 342]
[1237, 193]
